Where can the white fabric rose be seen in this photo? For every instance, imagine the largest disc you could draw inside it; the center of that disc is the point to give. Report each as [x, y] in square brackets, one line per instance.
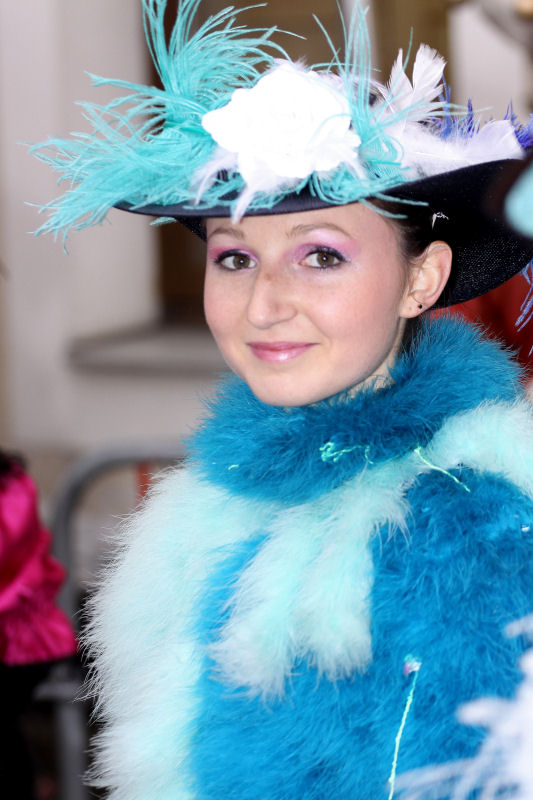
[292, 123]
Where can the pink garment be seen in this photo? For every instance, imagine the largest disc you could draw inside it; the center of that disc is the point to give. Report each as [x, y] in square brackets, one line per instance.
[32, 627]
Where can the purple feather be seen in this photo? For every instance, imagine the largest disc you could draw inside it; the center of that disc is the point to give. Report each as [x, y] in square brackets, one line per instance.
[524, 133]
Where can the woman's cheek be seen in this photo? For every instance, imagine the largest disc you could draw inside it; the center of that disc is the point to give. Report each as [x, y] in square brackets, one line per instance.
[210, 305]
[219, 311]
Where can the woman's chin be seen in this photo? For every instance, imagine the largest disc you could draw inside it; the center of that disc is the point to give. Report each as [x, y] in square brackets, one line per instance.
[291, 396]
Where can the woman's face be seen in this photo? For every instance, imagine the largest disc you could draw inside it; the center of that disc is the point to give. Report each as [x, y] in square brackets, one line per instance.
[305, 305]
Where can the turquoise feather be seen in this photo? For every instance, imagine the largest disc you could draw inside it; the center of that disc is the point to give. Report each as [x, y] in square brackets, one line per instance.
[149, 146]
[145, 146]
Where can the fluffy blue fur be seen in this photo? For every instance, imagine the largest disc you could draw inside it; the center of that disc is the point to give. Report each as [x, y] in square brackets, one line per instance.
[450, 570]
[444, 594]
[272, 460]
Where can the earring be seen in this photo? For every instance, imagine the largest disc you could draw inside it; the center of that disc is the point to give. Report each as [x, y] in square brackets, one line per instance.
[412, 294]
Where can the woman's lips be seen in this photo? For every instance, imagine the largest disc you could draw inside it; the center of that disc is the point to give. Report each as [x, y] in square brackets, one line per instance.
[279, 351]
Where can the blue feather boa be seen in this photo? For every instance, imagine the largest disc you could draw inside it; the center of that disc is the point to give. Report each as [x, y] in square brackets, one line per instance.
[464, 564]
[293, 455]
[247, 647]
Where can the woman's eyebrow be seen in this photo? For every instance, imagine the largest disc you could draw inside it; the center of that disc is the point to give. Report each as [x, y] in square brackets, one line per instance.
[227, 229]
[301, 229]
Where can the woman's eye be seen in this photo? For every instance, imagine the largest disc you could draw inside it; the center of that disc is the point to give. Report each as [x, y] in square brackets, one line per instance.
[235, 260]
[323, 258]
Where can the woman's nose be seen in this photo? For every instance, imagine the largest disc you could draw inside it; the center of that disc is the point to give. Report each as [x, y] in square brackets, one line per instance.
[270, 301]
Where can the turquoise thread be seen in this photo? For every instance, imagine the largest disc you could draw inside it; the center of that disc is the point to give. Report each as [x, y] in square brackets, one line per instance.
[330, 455]
[411, 667]
[418, 451]
[367, 454]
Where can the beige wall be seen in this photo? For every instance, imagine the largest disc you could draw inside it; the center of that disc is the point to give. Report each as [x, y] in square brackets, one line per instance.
[106, 280]
[4, 405]
[488, 66]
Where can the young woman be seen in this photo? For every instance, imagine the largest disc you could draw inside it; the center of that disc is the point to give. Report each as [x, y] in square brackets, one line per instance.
[299, 612]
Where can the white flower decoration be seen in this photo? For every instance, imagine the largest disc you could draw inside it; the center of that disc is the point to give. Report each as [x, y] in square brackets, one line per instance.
[292, 123]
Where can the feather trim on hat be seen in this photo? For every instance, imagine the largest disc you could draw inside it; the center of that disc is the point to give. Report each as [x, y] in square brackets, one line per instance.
[235, 126]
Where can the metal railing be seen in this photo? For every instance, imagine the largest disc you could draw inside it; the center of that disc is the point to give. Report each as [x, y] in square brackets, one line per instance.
[63, 686]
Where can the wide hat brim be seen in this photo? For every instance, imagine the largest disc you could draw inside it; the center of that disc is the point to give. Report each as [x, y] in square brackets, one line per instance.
[486, 252]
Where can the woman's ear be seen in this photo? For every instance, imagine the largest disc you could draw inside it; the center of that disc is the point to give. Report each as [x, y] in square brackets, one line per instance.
[427, 278]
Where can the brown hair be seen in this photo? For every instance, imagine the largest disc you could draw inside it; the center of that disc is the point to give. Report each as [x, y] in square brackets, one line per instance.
[414, 226]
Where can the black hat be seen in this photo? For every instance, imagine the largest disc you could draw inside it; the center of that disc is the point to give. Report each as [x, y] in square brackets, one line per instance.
[236, 131]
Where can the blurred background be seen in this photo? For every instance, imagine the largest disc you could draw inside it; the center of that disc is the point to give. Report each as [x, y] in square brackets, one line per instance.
[104, 347]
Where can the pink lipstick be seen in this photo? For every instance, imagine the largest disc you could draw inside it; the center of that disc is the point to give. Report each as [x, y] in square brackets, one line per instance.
[278, 352]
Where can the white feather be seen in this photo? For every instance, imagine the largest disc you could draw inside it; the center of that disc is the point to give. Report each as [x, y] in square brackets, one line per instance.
[416, 97]
[222, 160]
[426, 154]
[399, 86]
[407, 103]
[427, 76]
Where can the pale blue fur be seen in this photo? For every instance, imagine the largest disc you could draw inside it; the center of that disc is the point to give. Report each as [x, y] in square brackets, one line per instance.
[163, 561]
[498, 437]
[519, 203]
[285, 607]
